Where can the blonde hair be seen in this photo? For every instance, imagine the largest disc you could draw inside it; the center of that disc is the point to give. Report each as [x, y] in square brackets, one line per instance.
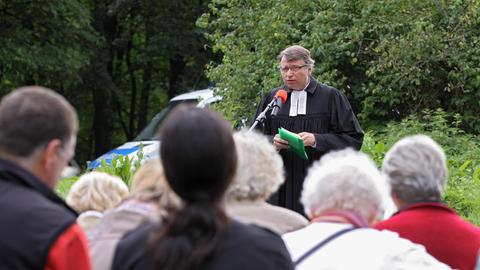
[149, 184]
[96, 191]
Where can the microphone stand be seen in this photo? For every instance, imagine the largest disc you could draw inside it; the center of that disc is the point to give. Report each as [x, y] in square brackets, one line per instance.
[263, 115]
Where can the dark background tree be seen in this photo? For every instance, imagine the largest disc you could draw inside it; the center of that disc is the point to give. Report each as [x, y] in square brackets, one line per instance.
[43, 42]
[118, 62]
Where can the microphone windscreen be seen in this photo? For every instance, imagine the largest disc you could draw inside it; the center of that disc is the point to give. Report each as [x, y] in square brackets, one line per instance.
[282, 94]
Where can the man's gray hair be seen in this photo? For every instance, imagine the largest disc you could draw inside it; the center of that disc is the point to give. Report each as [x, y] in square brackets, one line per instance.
[344, 180]
[416, 167]
[297, 52]
[260, 168]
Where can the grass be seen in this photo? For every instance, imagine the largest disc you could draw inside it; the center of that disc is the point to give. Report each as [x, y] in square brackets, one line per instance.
[64, 186]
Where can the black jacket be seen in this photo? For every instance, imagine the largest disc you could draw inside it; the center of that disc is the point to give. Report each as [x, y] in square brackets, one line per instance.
[329, 117]
[32, 218]
[241, 247]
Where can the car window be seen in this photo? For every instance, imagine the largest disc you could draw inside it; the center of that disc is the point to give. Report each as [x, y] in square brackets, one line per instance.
[148, 133]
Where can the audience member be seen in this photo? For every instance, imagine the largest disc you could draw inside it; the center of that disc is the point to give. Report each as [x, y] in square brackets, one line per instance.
[199, 159]
[89, 219]
[477, 267]
[38, 130]
[150, 200]
[341, 196]
[259, 174]
[416, 168]
[94, 193]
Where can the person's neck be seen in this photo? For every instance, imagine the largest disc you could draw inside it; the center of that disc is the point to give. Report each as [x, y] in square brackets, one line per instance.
[305, 87]
[30, 164]
[24, 163]
[341, 216]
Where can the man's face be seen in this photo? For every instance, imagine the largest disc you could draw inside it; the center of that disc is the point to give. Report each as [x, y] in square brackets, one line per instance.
[59, 160]
[295, 73]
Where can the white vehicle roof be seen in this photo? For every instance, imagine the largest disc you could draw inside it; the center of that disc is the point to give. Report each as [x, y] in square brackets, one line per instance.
[204, 96]
[150, 147]
[204, 93]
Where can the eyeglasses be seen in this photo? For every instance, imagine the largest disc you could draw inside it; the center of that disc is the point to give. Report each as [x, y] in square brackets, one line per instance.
[294, 69]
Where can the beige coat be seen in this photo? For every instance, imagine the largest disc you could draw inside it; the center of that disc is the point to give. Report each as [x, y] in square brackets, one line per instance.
[275, 218]
[104, 237]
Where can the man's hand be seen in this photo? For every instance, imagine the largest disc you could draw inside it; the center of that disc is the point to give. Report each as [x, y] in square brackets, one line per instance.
[280, 143]
[308, 138]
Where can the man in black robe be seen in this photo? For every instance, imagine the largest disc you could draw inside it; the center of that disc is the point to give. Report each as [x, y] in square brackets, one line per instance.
[321, 115]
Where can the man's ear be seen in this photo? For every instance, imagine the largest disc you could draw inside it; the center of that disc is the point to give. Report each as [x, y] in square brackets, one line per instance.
[47, 166]
[51, 152]
[397, 201]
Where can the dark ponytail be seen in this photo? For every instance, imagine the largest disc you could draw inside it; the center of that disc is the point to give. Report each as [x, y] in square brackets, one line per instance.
[189, 239]
[199, 159]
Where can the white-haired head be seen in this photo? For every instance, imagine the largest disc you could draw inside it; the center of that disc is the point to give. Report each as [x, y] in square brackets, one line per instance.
[96, 191]
[260, 168]
[416, 168]
[344, 180]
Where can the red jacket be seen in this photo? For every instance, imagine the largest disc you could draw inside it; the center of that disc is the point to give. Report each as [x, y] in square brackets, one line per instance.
[70, 251]
[445, 235]
[37, 230]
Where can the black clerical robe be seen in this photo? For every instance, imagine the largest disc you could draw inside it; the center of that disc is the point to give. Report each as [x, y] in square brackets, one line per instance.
[329, 117]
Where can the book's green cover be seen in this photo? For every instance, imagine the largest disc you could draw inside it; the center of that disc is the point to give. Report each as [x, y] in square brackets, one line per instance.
[295, 142]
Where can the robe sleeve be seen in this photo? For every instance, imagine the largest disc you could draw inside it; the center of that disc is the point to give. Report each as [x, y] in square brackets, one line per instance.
[263, 127]
[344, 131]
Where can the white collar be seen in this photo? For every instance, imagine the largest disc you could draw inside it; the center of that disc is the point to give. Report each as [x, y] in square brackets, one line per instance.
[298, 103]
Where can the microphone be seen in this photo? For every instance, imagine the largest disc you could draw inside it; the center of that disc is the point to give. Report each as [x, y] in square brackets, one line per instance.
[274, 105]
[279, 99]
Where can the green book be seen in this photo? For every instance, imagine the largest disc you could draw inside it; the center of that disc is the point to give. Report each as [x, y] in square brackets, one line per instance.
[295, 142]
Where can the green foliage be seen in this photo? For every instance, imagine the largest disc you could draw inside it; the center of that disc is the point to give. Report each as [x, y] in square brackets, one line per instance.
[463, 152]
[64, 186]
[43, 42]
[391, 58]
[122, 166]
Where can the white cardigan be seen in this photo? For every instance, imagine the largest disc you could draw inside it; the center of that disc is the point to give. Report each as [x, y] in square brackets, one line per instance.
[363, 248]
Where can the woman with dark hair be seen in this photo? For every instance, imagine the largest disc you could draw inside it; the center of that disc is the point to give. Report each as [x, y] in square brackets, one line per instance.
[199, 158]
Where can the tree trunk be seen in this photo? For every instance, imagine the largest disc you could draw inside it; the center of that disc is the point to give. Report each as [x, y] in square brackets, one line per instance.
[133, 95]
[101, 83]
[147, 71]
[177, 65]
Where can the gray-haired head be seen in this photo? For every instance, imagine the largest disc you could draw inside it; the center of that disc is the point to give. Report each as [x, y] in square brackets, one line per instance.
[260, 168]
[344, 180]
[297, 52]
[416, 167]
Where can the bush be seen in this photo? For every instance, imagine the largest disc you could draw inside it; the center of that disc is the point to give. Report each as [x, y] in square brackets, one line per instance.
[64, 185]
[121, 166]
[463, 152]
